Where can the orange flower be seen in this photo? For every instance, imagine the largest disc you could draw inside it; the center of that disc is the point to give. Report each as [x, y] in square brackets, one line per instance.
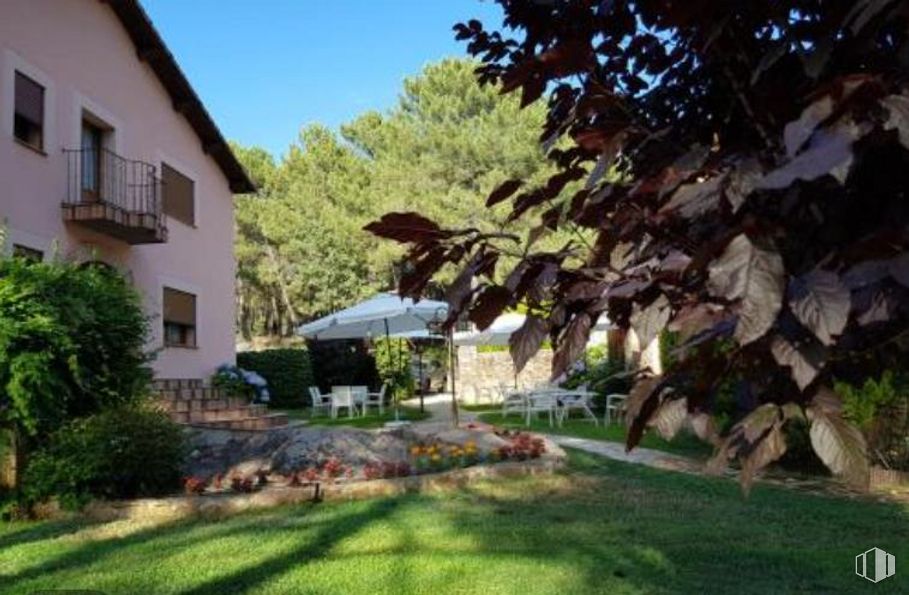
[436, 457]
[416, 451]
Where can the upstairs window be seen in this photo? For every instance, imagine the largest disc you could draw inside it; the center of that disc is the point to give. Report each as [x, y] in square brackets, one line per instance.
[179, 318]
[28, 124]
[179, 195]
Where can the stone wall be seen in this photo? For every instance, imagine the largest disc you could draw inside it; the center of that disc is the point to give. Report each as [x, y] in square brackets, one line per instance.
[481, 374]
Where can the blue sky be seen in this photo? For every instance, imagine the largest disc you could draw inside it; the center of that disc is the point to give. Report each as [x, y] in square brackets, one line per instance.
[266, 68]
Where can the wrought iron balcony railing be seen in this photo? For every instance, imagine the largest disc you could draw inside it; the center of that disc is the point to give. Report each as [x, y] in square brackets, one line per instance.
[113, 195]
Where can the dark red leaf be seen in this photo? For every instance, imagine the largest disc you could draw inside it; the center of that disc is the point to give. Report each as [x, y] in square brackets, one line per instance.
[503, 191]
[821, 302]
[407, 227]
[526, 341]
[571, 343]
[489, 305]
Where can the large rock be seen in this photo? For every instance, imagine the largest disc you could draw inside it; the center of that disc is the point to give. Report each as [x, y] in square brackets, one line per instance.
[298, 448]
[292, 449]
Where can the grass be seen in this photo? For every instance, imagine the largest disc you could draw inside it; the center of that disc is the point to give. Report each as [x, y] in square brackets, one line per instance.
[683, 444]
[373, 420]
[601, 527]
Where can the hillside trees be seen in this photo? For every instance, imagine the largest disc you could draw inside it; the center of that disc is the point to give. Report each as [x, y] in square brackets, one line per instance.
[447, 143]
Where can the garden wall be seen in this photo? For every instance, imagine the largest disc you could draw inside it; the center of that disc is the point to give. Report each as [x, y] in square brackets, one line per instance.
[481, 373]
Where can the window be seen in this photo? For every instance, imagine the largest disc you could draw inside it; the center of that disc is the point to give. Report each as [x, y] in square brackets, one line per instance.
[92, 137]
[28, 125]
[27, 253]
[179, 192]
[179, 318]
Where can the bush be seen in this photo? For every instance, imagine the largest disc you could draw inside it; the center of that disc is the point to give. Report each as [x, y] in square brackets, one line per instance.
[124, 452]
[288, 372]
[601, 374]
[393, 363]
[880, 408]
[72, 340]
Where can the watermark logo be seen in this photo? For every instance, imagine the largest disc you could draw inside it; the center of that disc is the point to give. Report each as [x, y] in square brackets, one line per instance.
[875, 565]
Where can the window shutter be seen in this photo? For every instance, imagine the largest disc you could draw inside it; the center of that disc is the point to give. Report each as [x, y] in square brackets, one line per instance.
[178, 195]
[179, 307]
[29, 99]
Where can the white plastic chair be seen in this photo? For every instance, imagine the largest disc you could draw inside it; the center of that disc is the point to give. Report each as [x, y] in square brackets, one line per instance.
[320, 402]
[576, 401]
[360, 395]
[513, 401]
[375, 400]
[615, 406]
[342, 397]
[542, 402]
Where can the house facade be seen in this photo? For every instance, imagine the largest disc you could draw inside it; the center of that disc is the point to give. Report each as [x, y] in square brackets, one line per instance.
[107, 154]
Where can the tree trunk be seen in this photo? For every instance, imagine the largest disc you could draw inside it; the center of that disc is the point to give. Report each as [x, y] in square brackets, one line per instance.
[13, 463]
[285, 296]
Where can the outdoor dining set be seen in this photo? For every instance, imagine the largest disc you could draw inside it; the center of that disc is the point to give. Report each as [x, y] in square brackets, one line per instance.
[558, 404]
[356, 400]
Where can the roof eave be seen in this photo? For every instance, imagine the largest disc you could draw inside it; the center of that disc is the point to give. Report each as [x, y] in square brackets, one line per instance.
[150, 48]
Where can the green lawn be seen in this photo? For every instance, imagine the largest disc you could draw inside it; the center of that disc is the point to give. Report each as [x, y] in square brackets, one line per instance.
[602, 527]
[683, 444]
[373, 420]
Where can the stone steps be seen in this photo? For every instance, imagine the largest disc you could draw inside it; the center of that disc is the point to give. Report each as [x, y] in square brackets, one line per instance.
[190, 402]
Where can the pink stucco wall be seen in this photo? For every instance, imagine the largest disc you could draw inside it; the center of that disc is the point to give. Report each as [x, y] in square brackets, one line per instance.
[79, 51]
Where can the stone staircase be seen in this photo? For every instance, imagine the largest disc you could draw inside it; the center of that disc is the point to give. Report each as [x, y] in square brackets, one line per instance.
[190, 402]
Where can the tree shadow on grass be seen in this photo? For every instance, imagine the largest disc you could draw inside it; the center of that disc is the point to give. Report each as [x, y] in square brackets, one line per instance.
[629, 527]
[600, 527]
[325, 539]
[176, 535]
[32, 532]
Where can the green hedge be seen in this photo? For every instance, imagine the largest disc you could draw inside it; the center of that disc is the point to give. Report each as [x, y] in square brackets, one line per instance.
[288, 372]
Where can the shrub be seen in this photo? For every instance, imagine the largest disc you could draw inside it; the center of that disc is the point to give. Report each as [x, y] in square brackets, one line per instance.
[229, 379]
[72, 342]
[288, 372]
[120, 453]
[393, 359]
[602, 374]
[880, 408]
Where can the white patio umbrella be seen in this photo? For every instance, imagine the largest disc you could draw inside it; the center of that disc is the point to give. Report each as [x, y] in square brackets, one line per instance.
[384, 314]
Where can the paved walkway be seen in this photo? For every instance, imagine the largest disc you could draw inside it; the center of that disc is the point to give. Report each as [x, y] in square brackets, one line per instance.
[639, 456]
[439, 408]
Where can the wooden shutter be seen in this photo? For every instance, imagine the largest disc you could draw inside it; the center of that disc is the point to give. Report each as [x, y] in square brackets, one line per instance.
[29, 99]
[179, 307]
[179, 194]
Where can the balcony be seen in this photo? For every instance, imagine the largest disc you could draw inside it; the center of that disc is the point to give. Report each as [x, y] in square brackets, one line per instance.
[115, 196]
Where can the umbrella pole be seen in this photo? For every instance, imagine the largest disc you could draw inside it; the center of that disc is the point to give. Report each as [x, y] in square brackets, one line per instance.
[388, 346]
[420, 366]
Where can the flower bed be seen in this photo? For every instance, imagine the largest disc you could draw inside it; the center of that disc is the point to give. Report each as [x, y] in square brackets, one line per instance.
[334, 480]
[432, 457]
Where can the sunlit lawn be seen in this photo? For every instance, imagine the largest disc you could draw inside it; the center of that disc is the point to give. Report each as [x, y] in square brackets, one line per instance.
[604, 527]
[372, 420]
[684, 444]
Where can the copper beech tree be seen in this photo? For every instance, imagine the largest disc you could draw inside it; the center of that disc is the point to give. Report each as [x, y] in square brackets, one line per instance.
[736, 172]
